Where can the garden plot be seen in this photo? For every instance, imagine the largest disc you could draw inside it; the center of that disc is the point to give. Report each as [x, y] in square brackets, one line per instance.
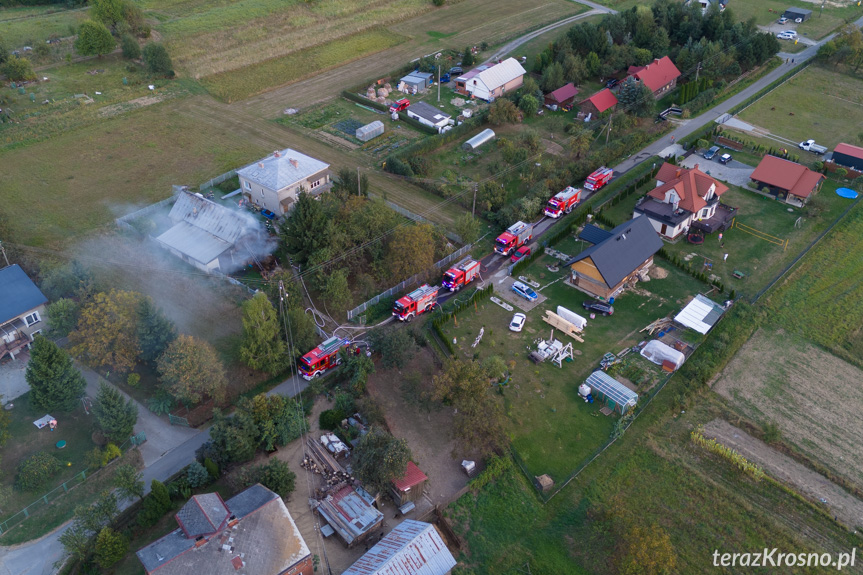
[813, 397]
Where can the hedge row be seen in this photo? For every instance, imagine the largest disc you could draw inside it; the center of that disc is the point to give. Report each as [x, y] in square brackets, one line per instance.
[365, 101]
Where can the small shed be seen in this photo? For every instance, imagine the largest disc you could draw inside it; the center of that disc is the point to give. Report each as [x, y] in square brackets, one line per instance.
[701, 314]
[370, 131]
[848, 156]
[417, 80]
[616, 395]
[545, 482]
[478, 140]
[798, 13]
[562, 96]
[410, 487]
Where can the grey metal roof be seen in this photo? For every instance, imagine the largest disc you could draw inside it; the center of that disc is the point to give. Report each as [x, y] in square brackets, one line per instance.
[159, 552]
[620, 254]
[225, 223]
[18, 293]
[428, 112]
[193, 242]
[602, 383]
[593, 234]
[249, 500]
[411, 548]
[202, 514]
[282, 169]
[350, 513]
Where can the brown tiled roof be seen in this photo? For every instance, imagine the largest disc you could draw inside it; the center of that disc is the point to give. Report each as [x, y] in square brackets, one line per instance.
[603, 100]
[785, 175]
[691, 185]
[563, 93]
[658, 73]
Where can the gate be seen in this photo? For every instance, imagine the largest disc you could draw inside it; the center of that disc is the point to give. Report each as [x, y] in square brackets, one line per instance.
[175, 420]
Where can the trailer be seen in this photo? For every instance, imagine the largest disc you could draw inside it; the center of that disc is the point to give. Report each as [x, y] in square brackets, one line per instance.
[563, 202]
[598, 179]
[513, 238]
[461, 274]
[415, 303]
[322, 358]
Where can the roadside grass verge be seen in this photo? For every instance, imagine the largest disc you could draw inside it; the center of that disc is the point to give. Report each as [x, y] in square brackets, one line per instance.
[246, 82]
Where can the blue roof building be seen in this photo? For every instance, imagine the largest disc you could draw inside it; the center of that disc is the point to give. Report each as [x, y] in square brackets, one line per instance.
[22, 306]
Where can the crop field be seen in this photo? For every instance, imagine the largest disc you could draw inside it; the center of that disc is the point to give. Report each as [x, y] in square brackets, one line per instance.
[827, 106]
[100, 172]
[552, 429]
[813, 397]
[33, 25]
[822, 298]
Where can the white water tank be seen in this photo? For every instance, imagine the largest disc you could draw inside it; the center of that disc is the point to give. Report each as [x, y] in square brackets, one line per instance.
[584, 390]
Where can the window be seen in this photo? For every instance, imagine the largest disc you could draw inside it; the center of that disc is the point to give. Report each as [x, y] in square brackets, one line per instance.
[704, 212]
[32, 319]
[248, 185]
[315, 184]
[35, 333]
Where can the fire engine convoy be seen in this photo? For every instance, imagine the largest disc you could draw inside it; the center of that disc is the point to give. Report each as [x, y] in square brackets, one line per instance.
[461, 274]
[563, 202]
[324, 357]
[513, 238]
[598, 179]
[418, 301]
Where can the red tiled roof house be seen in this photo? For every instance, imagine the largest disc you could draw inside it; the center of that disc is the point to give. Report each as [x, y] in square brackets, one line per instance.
[660, 75]
[786, 180]
[563, 96]
[684, 198]
[599, 102]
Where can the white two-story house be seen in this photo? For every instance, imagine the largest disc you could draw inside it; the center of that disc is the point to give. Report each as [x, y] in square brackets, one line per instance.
[22, 311]
[274, 182]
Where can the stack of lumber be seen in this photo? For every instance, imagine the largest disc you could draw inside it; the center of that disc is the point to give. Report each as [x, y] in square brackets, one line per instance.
[324, 458]
[561, 324]
[659, 325]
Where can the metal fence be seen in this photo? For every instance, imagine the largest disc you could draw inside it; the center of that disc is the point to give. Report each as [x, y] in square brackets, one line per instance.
[123, 222]
[217, 180]
[410, 281]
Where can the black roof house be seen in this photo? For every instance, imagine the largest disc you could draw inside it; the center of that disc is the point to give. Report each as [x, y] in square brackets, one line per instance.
[795, 13]
[625, 248]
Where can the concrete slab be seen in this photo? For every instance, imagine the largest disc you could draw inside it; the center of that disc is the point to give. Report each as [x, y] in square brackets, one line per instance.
[503, 290]
[12, 382]
[734, 172]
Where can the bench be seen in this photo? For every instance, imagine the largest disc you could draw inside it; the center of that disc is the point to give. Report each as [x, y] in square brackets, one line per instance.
[739, 274]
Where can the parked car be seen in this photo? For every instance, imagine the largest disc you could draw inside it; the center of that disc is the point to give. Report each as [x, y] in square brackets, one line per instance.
[522, 251]
[724, 158]
[708, 155]
[602, 307]
[517, 322]
[455, 70]
[268, 214]
[787, 35]
[524, 291]
[444, 78]
[783, 20]
[612, 83]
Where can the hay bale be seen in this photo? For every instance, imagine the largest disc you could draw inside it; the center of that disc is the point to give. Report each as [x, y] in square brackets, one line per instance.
[388, 87]
[381, 99]
[383, 92]
[370, 94]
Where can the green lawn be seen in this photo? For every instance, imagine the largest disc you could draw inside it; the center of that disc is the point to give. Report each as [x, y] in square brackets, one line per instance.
[819, 25]
[33, 25]
[827, 106]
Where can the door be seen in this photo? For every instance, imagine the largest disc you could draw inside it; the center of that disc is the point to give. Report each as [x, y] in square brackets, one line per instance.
[664, 230]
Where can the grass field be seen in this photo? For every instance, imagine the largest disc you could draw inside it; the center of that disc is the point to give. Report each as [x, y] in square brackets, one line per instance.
[819, 25]
[253, 79]
[100, 172]
[812, 396]
[822, 298]
[33, 25]
[827, 106]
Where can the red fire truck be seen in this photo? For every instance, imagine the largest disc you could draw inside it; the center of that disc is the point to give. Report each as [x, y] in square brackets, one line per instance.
[513, 238]
[598, 179]
[563, 202]
[461, 274]
[322, 358]
[400, 105]
[418, 301]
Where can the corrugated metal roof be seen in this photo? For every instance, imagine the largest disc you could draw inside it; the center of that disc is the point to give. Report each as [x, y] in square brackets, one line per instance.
[500, 74]
[412, 548]
[412, 477]
[194, 242]
[18, 293]
[280, 171]
[350, 513]
[224, 223]
[700, 314]
[428, 112]
[602, 100]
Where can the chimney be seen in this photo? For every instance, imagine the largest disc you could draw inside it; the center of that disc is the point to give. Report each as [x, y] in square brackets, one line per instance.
[295, 163]
[696, 167]
[260, 164]
[277, 154]
[677, 173]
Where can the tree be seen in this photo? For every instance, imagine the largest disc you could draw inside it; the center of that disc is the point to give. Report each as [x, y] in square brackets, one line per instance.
[379, 458]
[128, 481]
[263, 347]
[115, 415]
[277, 419]
[396, 347]
[636, 98]
[110, 547]
[580, 141]
[157, 59]
[131, 48]
[356, 368]
[63, 316]
[528, 104]
[155, 330]
[70, 280]
[108, 12]
[467, 227]
[467, 58]
[234, 439]
[647, 551]
[76, 541]
[36, 470]
[107, 330]
[302, 331]
[593, 64]
[337, 289]
[574, 69]
[277, 476]
[17, 69]
[503, 111]
[479, 418]
[94, 39]
[307, 228]
[552, 77]
[192, 371]
[197, 475]
[101, 513]
[411, 250]
[156, 504]
[55, 383]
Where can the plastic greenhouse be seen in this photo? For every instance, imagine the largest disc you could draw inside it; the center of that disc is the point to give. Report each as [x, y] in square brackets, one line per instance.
[478, 140]
[370, 131]
[616, 395]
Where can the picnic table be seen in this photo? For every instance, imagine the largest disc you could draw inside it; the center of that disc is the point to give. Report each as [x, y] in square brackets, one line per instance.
[739, 274]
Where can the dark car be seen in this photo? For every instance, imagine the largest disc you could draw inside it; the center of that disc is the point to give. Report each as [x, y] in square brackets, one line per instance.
[598, 306]
[455, 70]
[708, 155]
[444, 78]
[724, 158]
[268, 214]
[612, 83]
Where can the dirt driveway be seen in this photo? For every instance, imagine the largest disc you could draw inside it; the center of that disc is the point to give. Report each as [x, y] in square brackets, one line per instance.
[847, 509]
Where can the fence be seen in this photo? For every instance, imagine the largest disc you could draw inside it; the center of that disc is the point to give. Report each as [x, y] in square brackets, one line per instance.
[217, 180]
[123, 222]
[410, 281]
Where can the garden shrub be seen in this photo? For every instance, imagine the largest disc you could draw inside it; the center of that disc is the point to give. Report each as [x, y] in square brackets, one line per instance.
[134, 380]
[211, 467]
[197, 475]
[331, 418]
[110, 453]
[36, 470]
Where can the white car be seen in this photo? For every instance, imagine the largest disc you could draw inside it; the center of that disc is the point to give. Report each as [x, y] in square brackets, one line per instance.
[787, 35]
[517, 322]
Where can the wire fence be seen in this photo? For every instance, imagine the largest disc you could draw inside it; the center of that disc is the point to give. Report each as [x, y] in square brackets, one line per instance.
[417, 218]
[123, 222]
[217, 180]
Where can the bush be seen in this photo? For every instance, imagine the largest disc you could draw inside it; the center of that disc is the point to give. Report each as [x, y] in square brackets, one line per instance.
[197, 475]
[331, 419]
[438, 2]
[157, 60]
[134, 380]
[110, 547]
[211, 468]
[36, 470]
[277, 476]
[93, 458]
[345, 403]
[131, 48]
[110, 453]
[16, 69]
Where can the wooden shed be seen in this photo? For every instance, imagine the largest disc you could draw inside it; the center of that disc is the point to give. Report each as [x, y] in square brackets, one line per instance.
[410, 487]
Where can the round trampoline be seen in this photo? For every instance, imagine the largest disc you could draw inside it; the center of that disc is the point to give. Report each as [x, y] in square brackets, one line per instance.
[847, 193]
[695, 238]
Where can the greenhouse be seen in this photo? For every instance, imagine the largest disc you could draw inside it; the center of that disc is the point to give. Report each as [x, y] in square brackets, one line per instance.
[478, 140]
[370, 131]
[616, 395]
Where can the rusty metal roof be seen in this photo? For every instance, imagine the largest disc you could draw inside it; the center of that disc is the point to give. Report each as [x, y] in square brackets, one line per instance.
[412, 477]
[412, 548]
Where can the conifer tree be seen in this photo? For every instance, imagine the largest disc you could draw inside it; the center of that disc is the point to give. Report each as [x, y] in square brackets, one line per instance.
[54, 381]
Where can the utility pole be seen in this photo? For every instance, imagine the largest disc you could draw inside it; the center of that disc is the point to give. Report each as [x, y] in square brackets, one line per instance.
[359, 192]
[472, 210]
[608, 133]
[697, 70]
[3, 250]
[438, 76]
[822, 8]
